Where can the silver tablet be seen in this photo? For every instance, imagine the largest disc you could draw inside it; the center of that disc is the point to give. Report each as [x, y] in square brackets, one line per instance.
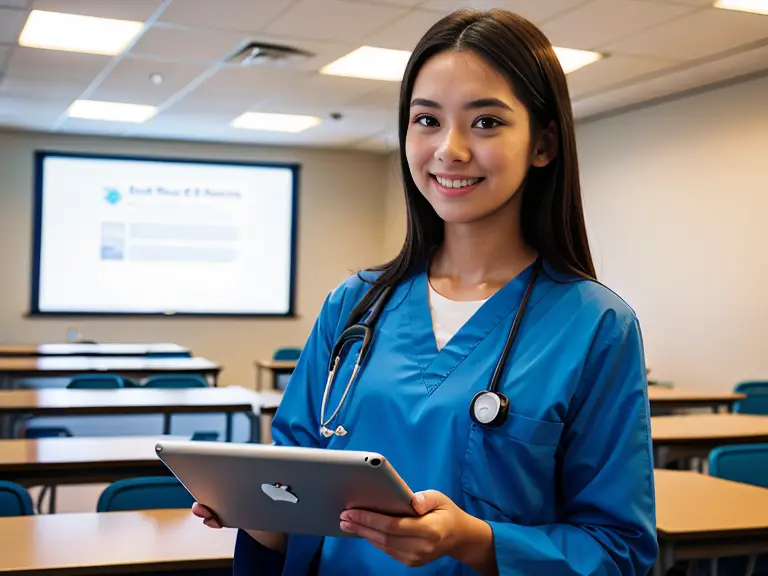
[285, 489]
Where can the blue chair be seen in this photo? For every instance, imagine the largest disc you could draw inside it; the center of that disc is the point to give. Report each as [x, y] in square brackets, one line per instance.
[748, 464]
[282, 354]
[148, 493]
[205, 436]
[756, 401]
[176, 381]
[96, 382]
[14, 500]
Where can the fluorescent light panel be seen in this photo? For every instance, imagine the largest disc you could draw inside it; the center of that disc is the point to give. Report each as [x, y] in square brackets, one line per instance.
[754, 6]
[74, 33]
[274, 122]
[572, 59]
[111, 111]
[370, 63]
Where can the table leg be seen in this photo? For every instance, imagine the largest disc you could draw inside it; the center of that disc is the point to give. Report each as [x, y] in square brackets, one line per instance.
[255, 422]
[228, 432]
[258, 378]
[166, 423]
[52, 500]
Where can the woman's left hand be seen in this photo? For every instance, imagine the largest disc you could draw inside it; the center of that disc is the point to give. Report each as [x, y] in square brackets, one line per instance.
[440, 529]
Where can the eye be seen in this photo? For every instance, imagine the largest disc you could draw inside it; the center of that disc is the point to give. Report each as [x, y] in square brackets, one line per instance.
[426, 120]
[487, 123]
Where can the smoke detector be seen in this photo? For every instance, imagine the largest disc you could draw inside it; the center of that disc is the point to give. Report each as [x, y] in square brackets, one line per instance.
[257, 53]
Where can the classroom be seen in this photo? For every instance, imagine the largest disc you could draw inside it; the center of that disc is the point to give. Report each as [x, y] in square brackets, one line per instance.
[197, 195]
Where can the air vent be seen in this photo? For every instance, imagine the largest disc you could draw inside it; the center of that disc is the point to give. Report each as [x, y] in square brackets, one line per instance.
[257, 53]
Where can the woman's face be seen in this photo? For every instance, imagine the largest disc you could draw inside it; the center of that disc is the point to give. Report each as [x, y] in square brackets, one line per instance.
[468, 142]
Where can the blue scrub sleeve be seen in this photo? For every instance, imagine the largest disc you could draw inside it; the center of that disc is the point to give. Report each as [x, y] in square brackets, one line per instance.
[608, 512]
[296, 423]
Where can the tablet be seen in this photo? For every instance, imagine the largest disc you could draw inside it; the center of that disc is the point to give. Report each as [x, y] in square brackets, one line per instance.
[284, 488]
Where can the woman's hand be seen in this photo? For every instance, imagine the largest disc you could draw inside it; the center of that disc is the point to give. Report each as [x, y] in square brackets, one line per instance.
[272, 540]
[441, 529]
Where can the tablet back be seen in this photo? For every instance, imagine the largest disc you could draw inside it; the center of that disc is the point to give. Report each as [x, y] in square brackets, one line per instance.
[286, 489]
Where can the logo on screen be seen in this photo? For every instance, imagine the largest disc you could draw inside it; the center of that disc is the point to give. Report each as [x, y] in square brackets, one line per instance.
[112, 196]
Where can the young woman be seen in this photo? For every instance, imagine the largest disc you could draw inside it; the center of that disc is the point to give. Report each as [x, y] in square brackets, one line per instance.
[503, 382]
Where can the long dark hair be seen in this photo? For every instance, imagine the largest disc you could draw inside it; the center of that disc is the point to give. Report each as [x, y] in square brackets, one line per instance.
[552, 217]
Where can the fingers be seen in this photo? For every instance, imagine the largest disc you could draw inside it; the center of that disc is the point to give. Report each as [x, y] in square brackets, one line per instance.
[381, 523]
[405, 549]
[209, 518]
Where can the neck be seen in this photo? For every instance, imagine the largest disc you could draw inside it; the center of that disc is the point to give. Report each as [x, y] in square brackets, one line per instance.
[489, 252]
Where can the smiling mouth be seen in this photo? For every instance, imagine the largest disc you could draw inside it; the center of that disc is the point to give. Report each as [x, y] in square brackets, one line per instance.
[457, 183]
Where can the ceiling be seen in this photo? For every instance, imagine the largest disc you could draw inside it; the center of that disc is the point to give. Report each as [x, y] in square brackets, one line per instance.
[655, 48]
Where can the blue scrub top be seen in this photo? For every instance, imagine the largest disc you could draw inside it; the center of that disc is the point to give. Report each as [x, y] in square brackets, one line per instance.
[566, 484]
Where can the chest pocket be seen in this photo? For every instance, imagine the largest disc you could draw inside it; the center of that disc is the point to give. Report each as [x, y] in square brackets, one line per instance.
[509, 472]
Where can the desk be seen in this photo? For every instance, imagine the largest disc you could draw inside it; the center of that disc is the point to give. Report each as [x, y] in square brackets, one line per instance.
[79, 349]
[112, 543]
[276, 367]
[701, 516]
[694, 435]
[677, 398]
[165, 401]
[129, 366]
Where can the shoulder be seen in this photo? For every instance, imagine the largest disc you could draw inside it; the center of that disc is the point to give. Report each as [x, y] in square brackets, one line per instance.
[343, 298]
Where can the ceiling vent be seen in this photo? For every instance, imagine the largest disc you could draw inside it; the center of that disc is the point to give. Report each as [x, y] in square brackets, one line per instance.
[258, 53]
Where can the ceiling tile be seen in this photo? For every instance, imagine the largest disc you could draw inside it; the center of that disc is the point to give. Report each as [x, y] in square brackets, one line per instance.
[137, 10]
[129, 81]
[407, 3]
[41, 89]
[387, 97]
[238, 15]
[13, 3]
[534, 10]
[95, 127]
[11, 23]
[602, 21]
[55, 66]
[334, 19]
[405, 32]
[247, 84]
[612, 71]
[701, 34]
[22, 112]
[5, 52]
[187, 45]
[320, 91]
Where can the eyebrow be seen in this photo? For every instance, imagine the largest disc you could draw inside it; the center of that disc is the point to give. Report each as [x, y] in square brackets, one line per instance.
[474, 104]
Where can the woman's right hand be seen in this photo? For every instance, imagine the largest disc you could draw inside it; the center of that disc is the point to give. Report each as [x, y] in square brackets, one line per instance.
[273, 540]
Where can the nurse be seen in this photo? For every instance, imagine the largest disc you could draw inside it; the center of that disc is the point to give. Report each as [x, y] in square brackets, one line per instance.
[495, 265]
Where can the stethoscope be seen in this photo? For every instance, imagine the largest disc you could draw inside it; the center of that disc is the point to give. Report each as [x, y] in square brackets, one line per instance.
[488, 408]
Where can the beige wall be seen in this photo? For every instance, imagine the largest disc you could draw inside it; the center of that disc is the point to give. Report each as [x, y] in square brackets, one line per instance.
[677, 204]
[394, 209]
[341, 200]
[676, 199]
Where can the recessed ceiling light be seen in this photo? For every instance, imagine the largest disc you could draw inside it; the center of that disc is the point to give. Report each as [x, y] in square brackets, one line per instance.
[75, 33]
[754, 6]
[274, 122]
[111, 111]
[370, 63]
[572, 59]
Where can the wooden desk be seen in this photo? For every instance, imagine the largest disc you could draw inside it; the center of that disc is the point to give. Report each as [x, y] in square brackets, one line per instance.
[694, 435]
[129, 366]
[700, 516]
[662, 398]
[78, 349]
[112, 543]
[165, 401]
[276, 367]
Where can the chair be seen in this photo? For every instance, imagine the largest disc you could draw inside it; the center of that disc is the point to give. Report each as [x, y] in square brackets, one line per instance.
[748, 464]
[96, 382]
[14, 500]
[148, 493]
[176, 381]
[205, 436]
[46, 432]
[756, 401]
[282, 354]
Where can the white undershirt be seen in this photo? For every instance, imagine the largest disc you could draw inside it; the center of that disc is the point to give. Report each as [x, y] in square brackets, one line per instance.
[449, 315]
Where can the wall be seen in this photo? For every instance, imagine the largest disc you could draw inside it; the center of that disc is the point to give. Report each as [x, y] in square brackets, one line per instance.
[676, 201]
[394, 209]
[341, 200]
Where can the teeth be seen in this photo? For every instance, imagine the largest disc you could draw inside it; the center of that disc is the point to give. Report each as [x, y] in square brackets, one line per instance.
[457, 183]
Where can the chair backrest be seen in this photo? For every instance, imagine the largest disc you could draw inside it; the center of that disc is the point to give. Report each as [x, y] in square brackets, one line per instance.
[14, 500]
[148, 493]
[746, 463]
[176, 381]
[756, 401]
[286, 354]
[752, 388]
[96, 381]
[205, 436]
[47, 432]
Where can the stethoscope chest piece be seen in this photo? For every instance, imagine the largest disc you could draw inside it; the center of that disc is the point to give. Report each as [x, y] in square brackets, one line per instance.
[489, 408]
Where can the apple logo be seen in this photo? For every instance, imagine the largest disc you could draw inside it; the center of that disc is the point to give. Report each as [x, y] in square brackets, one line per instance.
[279, 492]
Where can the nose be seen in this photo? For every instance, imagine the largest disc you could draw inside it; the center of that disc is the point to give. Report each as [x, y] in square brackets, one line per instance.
[453, 148]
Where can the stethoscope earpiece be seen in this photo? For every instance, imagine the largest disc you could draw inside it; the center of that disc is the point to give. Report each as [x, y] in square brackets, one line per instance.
[489, 408]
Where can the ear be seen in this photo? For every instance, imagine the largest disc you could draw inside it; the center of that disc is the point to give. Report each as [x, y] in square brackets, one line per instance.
[545, 146]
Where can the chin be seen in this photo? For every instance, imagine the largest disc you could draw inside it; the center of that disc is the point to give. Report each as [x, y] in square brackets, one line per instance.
[458, 214]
